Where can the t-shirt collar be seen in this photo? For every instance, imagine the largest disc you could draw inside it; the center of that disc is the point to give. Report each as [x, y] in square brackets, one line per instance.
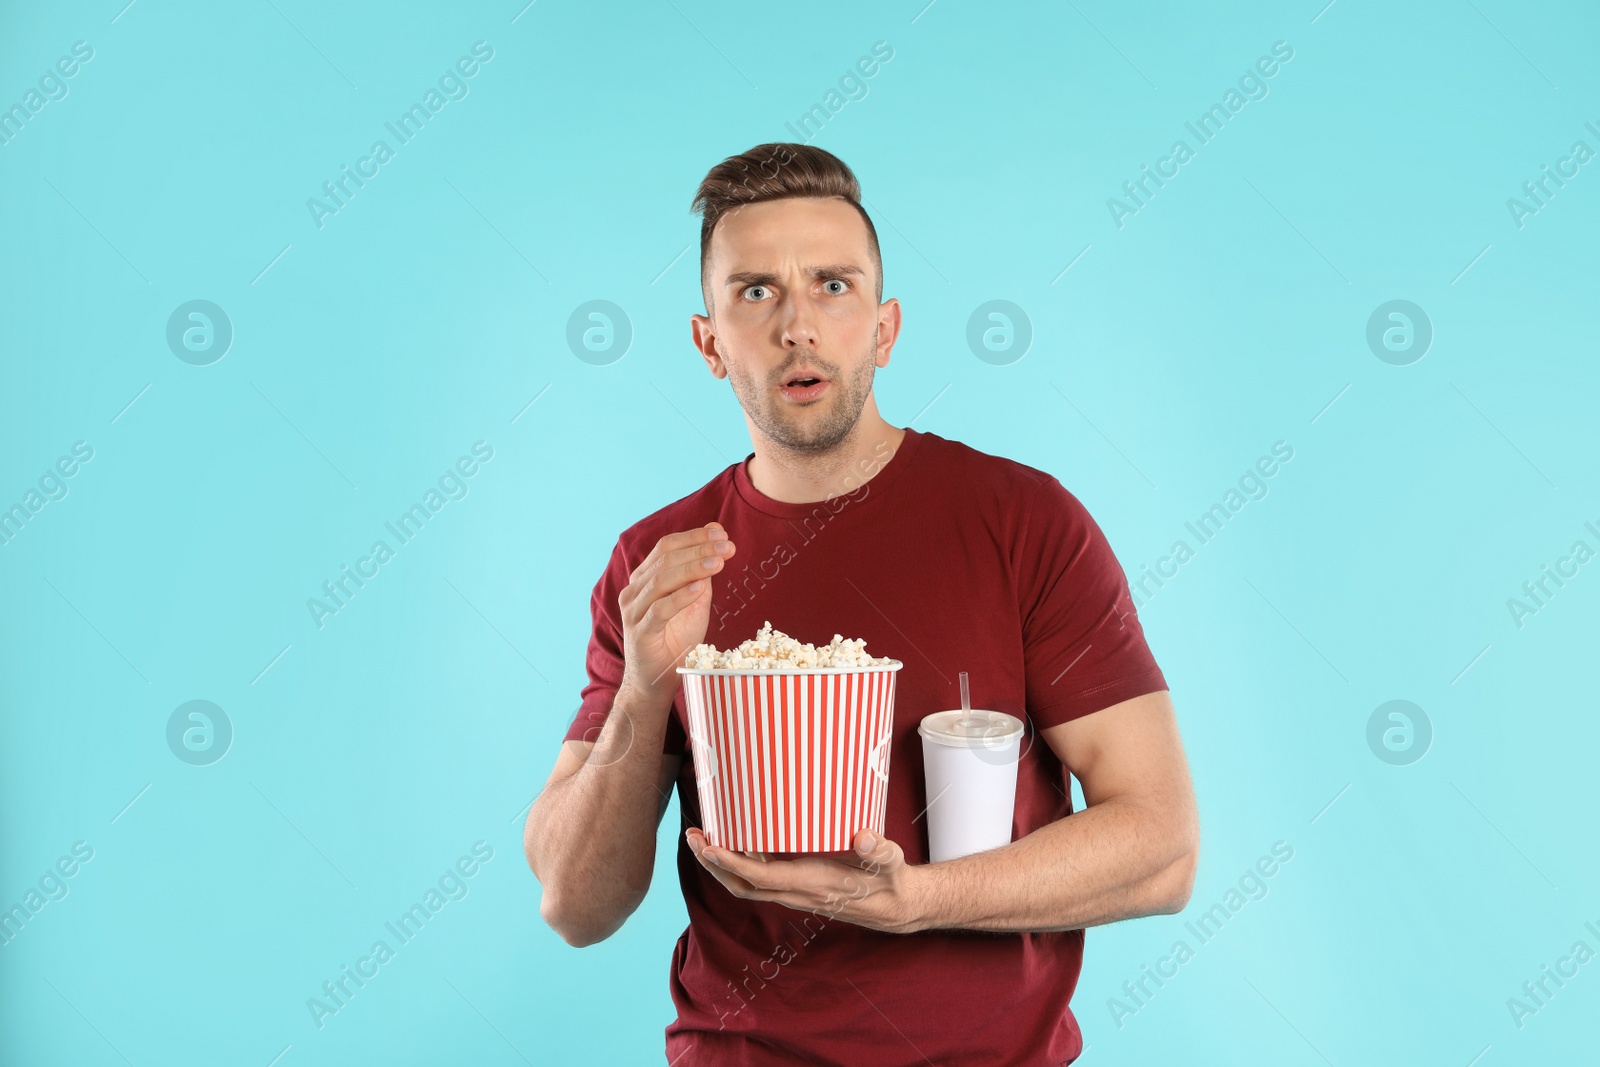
[883, 480]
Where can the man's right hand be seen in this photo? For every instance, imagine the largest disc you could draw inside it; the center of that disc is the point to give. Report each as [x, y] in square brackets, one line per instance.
[666, 608]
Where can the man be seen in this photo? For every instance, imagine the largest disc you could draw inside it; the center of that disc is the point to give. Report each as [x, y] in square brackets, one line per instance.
[941, 556]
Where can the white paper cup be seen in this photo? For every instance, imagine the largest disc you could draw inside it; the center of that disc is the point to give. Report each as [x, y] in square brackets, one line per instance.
[791, 760]
[971, 784]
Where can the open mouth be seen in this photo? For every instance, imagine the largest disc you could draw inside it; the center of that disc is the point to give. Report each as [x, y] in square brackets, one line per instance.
[802, 389]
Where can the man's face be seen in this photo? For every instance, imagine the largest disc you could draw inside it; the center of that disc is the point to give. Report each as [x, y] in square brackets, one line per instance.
[791, 285]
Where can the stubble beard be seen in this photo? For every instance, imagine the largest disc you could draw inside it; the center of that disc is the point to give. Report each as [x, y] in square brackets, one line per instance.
[805, 430]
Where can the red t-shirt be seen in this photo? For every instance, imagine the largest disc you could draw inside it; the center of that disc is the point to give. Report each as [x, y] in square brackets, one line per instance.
[947, 559]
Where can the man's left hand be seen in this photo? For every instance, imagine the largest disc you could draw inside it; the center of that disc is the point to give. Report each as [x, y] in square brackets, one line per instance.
[872, 886]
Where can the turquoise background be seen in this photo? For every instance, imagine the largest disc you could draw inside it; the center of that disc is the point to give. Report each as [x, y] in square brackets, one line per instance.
[1229, 313]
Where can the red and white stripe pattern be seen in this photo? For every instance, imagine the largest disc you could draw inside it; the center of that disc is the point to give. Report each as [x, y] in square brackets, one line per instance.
[790, 762]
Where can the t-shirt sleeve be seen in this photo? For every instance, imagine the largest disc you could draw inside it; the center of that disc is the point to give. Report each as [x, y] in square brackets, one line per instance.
[1083, 646]
[605, 658]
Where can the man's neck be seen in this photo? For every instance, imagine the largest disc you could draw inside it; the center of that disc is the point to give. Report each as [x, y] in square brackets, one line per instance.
[804, 478]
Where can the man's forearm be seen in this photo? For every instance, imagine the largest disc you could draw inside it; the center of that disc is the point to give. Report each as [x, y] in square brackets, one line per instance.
[1115, 860]
[591, 840]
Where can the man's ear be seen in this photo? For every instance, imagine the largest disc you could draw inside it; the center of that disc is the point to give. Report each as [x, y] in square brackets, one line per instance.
[888, 330]
[705, 341]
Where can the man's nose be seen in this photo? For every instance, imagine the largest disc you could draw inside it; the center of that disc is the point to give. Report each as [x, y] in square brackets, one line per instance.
[799, 322]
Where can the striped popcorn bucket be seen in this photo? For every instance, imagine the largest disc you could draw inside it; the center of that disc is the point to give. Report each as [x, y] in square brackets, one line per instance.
[790, 760]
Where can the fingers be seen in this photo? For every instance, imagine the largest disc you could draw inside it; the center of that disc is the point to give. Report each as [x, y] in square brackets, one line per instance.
[676, 562]
[711, 531]
[873, 852]
[798, 883]
[661, 610]
[670, 572]
[734, 884]
[769, 877]
[687, 563]
[777, 875]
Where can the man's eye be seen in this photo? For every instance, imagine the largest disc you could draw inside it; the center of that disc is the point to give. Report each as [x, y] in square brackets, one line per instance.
[755, 289]
[840, 282]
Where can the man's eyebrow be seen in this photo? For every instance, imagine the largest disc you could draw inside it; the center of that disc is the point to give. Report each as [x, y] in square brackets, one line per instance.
[831, 270]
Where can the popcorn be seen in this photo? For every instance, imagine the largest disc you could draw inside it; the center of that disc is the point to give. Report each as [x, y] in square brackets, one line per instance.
[771, 649]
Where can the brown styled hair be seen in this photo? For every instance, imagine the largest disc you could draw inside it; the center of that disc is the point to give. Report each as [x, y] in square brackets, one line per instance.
[776, 171]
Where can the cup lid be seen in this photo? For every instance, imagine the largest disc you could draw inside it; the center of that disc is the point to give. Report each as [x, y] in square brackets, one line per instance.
[940, 727]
